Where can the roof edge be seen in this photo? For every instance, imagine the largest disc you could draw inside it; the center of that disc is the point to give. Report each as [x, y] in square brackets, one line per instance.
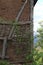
[35, 1]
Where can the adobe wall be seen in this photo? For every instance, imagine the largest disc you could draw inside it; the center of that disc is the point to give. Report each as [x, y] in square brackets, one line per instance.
[18, 47]
[9, 10]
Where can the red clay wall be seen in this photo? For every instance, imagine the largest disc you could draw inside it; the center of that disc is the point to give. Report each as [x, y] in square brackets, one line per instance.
[10, 8]
[17, 48]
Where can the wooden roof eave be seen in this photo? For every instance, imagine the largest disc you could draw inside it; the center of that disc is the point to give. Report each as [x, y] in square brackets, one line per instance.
[35, 1]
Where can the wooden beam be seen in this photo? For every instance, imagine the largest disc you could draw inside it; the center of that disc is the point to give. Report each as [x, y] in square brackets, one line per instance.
[13, 23]
[23, 22]
[31, 25]
[21, 10]
[4, 48]
[6, 57]
[2, 38]
[17, 18]
[19, 23]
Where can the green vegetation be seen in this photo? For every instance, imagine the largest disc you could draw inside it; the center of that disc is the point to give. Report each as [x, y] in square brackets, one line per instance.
[37, 52]
[4, 62]
[38, 56]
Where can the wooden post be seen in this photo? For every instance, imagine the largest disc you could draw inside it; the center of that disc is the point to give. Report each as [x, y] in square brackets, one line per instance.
[4, 48]
[31, 25]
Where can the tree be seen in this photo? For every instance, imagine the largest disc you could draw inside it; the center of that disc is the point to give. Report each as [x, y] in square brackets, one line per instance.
[40, 42]
[40, 35]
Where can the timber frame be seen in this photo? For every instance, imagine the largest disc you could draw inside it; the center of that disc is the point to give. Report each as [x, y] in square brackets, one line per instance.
[9, 37]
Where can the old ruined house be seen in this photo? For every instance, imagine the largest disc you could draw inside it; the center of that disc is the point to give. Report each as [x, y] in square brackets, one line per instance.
[20, 11]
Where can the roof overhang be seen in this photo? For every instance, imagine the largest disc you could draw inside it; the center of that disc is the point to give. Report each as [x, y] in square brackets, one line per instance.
[35, 2]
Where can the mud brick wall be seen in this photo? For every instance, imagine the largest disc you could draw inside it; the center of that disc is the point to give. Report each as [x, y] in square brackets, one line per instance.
[9, 9]
[5, 30]
[18, 48]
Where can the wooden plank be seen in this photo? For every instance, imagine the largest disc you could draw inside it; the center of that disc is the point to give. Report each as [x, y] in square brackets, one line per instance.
[4, 48]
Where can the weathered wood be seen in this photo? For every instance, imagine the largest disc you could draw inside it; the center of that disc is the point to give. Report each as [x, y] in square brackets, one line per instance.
[31, 25]
[6, 57]
[21, 10]
[17, 18]
[19, 23]
[11, 23]
[2, 38]
[4, 48]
